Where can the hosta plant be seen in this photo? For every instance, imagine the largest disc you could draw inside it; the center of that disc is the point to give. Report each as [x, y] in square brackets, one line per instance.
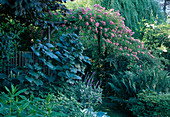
[63, 60]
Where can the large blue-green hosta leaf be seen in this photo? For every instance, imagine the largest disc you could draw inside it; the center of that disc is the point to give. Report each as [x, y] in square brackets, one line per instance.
[50, 65]
[35, 52]
[58, 67]
[30, 79]
[38, 82]
[33, 73]
[49, 45]
[62, 74]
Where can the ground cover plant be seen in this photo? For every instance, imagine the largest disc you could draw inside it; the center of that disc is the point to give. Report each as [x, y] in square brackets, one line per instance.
[150, 103]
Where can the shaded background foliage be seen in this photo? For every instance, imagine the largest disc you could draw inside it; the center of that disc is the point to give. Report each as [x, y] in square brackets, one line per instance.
[136, 10]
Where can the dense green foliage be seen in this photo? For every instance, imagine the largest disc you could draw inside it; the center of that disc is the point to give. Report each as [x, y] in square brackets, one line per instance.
[31, 15]
[108, 42]
[27, 11]
[152, 104]
[65, 59]
[15, 104]
[55, 65]
[128, 85]
[135, 10]
[113, 50]
[9, 37]
[156, 37]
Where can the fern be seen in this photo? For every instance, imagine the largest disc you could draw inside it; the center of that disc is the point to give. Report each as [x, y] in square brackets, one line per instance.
[124, 86]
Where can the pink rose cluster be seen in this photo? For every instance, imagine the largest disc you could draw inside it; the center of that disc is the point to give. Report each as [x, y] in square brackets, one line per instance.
[110, 25]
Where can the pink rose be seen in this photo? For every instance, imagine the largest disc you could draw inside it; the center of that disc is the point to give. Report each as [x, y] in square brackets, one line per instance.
[105, 29]
[97, 24]
[112, 35]
[80, 17]
[111, 23]
[130, 50]
[87, 23]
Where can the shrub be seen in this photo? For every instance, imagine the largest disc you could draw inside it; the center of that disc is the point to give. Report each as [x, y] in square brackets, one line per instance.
[127, 85]
[152, 104]
[64, 60]
[28, 12]
[107, 40]
[9, 37]
[156, 37]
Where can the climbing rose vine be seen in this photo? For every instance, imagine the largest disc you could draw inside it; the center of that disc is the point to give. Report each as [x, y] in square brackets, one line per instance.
[104, 33]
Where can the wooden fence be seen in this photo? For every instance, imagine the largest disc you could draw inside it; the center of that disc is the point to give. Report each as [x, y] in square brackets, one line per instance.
[20, 61]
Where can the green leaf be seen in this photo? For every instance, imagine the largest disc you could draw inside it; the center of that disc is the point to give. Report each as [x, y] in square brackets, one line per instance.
[19, 92]
[49, 53]
[59, 54]
[29, 66]
[78, 66]
[23, 97]
[77, 77]
[38, 82]
[51, 66]
[37, 67]
[32, 73]
[30, 79]
[35, 52]
[8, 90]
[49, 45]
[51, 79]
[74, 70]
[3, 2]
[59, 68]
[42, 74]
[58, 114]
[69, 74]
[25, 105]
[42, 59]
[60, 45]
[61, 74]
[66, 67]
[71, 58]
